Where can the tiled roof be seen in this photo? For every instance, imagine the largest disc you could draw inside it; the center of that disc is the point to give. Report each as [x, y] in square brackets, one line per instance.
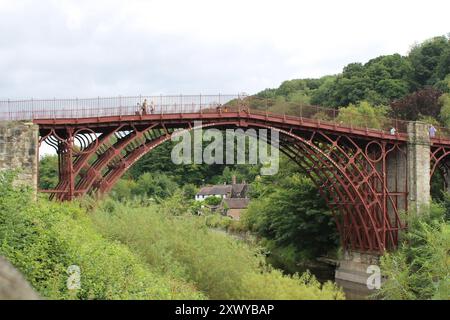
[237, 203]
[237, 189]
[217, 189]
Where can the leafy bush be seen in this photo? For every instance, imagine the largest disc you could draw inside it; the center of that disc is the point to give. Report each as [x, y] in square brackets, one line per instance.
[213, 200]
[420, 268]
[274, 285]
[42, 239]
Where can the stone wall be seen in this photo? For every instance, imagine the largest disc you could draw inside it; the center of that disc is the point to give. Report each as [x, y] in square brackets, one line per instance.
[13, 286]
[19, 150]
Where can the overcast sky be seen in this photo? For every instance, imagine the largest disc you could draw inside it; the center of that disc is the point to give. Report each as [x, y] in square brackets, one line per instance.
[101, 48]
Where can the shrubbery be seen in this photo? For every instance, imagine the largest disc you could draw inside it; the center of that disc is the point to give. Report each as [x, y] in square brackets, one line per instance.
[420, 268]
[127, 251]
[183, 246]
[42, 239]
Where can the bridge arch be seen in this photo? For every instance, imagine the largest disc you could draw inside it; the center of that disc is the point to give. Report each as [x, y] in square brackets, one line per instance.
[349, 172]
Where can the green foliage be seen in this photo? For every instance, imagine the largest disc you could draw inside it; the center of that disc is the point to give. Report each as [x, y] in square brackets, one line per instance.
[363, 115]
[159, 162]
[445, 203]
[444, 115]
[274, 285]
[291, 212]
[213, 200]
[241, 172]
[48, 172]
[444, 85]
[124, 189]
[380, 81]
[148, 185]
[189, 190]
[42, 239]
[155, 185]
[430, 60]
[420, 268]
[437, 185]
[183, 246]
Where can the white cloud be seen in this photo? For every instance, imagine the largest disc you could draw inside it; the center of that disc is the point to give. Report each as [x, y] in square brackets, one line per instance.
[112, 47]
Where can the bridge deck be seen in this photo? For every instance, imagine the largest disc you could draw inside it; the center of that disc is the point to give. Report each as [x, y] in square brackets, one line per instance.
[177, 109]
[241, 116]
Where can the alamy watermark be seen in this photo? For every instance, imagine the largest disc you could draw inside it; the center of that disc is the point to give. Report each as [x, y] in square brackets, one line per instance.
[74, 277]
[374, 280]
[251, 146]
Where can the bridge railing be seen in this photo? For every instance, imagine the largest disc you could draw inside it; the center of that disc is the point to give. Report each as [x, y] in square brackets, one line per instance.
[110, 106]
[132, 105]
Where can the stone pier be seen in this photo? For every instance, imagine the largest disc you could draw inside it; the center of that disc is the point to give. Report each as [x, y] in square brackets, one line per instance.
[351, 274]
[419, 171]
[19, 150]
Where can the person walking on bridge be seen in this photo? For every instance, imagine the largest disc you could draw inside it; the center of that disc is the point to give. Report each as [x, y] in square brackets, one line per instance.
[393, 131]
[152, 107]
[432, 131]
[144, 107]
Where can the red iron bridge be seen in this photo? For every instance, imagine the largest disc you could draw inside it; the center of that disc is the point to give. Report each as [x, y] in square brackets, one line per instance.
[367, 173]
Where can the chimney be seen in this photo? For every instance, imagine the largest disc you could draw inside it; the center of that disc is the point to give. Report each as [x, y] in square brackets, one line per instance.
[233, 181]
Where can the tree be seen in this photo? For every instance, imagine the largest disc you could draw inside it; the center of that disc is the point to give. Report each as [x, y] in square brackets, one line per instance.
[444, 115]
[379, 81]
[291, 212]
[323, 95]
[424, 102]
[155, 185]
[363, 115]
[430, 61]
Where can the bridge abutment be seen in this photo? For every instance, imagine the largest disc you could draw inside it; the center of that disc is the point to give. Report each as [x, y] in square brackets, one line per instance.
[351, 273]
[19, 150]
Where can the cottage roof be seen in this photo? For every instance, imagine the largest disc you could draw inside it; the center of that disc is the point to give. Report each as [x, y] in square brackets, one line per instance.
[215, 190]
[237, 203]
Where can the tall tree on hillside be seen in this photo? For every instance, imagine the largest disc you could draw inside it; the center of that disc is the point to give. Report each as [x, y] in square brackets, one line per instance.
[430, 61]
[379, 81]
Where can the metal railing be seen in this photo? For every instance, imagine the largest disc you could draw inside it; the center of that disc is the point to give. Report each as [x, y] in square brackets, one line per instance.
[132, 105]
[110, 106]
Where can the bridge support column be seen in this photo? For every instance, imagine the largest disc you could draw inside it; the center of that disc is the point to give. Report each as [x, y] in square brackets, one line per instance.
[418, 167]
[19, 150]
[352, 273]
